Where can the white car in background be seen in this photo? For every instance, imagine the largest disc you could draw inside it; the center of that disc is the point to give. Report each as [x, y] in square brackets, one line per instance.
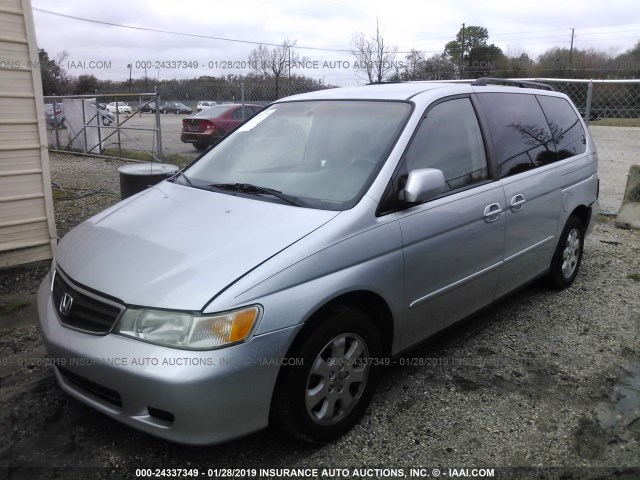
[204, 104]
[122, 107]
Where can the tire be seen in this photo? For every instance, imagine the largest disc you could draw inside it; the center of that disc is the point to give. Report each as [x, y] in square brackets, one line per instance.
[568, 255]
[322, 398]
[200, 146]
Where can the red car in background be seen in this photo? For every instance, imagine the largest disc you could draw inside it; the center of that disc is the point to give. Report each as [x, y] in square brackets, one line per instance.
[209, 126]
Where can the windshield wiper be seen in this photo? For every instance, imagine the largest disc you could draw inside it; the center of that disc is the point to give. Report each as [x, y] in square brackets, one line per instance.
[257, 190]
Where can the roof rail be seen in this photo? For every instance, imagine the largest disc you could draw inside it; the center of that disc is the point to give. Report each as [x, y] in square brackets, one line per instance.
[384, 82]
[481, 82]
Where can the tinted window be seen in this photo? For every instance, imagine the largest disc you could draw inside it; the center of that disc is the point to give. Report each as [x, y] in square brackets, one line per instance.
[566, 128]
[519, 131]
[449, 139]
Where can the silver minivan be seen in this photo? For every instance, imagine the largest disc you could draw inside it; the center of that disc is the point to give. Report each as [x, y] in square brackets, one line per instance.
[272, 279]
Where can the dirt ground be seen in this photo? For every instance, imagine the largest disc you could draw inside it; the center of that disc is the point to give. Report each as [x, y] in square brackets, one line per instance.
[545, 384]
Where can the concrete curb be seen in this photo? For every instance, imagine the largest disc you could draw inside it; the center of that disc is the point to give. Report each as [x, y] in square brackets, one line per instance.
[629, 214]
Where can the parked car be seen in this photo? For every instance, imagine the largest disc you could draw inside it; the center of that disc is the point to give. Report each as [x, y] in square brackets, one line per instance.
[58, 119]
[204, 104]
[122, 107]
[147, 106]
[209, 126]
[175, 107]
[271, 279]
[106, 117]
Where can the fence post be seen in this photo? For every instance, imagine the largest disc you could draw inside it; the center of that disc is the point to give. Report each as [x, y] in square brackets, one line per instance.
[587, 109]
[55, 124]
[84, 125]
[242, 98]
[158, 129]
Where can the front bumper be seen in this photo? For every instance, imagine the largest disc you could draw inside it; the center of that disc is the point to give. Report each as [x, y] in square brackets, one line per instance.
[184, 396]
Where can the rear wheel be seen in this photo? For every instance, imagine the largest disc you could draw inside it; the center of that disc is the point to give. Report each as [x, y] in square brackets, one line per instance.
[568, 255]
[200, 146]
[319, 400]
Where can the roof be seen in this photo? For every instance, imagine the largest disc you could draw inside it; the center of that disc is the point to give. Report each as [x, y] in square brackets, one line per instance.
[406, 90]
[378, 91]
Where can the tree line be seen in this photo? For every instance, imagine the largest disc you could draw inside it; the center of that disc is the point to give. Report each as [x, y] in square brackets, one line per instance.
[468, 55]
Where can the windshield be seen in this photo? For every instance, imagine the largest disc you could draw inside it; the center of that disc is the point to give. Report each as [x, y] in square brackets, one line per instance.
[325, 153]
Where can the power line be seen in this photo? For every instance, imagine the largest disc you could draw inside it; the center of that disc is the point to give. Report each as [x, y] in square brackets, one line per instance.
[183, 34]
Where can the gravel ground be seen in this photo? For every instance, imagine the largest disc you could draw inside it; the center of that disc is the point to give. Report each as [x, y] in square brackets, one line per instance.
[543, 379]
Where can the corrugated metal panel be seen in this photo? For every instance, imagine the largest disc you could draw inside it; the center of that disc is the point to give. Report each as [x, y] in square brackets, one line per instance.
[22, 210]
[19, 160]
[16, 84]
[25, 255]
[27, 230]
[17, 110]
[12, 6]
[15, 56]
[13, 237]
[12, 27]
[18, 136]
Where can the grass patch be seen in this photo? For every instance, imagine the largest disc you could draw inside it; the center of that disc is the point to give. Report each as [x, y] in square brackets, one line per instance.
[616, 122]
[125, 154]
[634, 276]
[177, 159]
[10, 308]
[128, 154]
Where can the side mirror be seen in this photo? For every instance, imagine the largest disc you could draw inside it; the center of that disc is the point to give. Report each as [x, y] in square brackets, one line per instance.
[423, 185]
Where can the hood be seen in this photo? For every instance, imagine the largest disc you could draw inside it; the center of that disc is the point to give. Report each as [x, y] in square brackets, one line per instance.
[176, 247]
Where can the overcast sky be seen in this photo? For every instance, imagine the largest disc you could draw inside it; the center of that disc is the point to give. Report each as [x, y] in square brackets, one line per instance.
[531, 27]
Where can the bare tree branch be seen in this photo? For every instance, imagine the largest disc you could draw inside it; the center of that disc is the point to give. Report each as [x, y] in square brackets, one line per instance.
[375, 59]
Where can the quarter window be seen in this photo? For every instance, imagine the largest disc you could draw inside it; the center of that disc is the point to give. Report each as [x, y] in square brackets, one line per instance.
[520, 134]
[565, 126]
[449, 140]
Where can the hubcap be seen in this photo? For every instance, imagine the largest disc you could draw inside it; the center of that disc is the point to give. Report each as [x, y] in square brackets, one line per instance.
[337, 379]
[571, 253]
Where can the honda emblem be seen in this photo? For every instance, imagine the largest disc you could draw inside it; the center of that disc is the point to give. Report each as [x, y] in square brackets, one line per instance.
[65, 304]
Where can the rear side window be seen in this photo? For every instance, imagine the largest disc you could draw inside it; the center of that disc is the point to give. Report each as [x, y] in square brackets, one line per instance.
[519, 131]
[565, 126]
[449, 139]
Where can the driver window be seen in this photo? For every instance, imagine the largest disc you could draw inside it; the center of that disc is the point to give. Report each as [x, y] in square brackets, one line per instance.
[449, 139]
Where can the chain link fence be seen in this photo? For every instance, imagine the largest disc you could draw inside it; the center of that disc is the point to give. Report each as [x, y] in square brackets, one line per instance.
[105, 125]
[611, 108]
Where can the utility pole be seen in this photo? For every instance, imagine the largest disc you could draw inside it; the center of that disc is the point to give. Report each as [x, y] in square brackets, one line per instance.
[461, 53]
[571, 49]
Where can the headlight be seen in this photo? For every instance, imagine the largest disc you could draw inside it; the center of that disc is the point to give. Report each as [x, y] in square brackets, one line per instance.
[189, 331]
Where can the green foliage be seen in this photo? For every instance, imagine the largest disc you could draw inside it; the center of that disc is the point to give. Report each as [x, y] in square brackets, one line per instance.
[86, 85]
[54, 78]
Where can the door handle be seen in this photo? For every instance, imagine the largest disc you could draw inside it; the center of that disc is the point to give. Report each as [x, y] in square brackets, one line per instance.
[517, 202]
[492, 212]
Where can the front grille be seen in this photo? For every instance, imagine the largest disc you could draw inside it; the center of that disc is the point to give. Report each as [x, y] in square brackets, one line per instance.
[84, 312]
[95, 389]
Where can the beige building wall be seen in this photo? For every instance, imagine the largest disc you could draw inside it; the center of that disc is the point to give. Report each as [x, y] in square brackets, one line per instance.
[27, 228]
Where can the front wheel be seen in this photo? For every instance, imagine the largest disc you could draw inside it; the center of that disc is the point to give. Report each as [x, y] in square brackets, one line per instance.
[568, 255]
[325, 394]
